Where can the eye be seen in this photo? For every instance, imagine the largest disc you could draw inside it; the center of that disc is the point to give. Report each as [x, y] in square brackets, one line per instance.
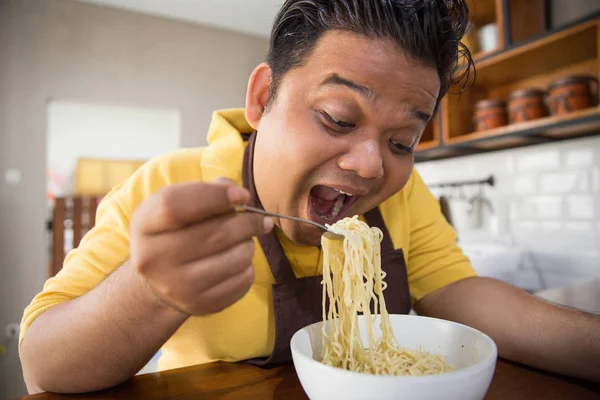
[339, 123]
[397, 146]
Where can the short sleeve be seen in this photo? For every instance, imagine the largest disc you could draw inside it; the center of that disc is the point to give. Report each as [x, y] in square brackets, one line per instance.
[434, 259]
[106, 246]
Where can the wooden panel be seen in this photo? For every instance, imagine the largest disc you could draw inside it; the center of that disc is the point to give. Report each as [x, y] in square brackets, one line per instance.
[427, 145]
[58, 235]
[574, 51]
[76, 215]
[598, 46]
[481, 54]
[501, 143]
[589, 66]
[573, 131]
[482, 12]
[431, 135]
[500, 22]
[542, 125]
[527, 19]
[428, 135]
[93, 205]
[440, 153]
[445, 120]
[459, 110]
[81, 212]
[556, 51]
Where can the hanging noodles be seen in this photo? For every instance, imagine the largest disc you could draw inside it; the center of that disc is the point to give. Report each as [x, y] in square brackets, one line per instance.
[352, 279]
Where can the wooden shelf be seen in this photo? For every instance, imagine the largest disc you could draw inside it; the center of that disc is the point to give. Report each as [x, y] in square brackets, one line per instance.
[535, 65]
[550, 53]
[482, 11]
[432, 135]
[483, 54]
[543, 130]
[540, 58]
[536, 126]
[527, 19]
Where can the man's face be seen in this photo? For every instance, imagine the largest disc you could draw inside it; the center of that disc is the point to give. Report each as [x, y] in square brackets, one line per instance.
[338, 139]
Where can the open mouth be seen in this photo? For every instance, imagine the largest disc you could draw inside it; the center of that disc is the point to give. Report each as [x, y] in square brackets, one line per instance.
[327, 205]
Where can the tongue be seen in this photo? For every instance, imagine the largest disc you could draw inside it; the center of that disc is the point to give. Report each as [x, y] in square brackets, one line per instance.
[322, 206]
[325, 193]
[324, 200]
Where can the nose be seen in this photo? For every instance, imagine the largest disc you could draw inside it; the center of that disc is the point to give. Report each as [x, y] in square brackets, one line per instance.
[365, 159]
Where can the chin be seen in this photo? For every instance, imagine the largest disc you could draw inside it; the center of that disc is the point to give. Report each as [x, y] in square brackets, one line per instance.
[302, 235]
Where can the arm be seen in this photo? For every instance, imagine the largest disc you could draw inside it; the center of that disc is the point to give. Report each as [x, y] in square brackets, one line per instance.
[88, 341]
[525, 328]
[99, 339]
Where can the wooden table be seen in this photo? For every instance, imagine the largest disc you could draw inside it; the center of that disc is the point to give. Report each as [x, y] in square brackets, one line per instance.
[242, 381]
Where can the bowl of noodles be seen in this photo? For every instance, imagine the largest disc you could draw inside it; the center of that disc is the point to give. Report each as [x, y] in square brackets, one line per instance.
[359, 351]
[470, 354]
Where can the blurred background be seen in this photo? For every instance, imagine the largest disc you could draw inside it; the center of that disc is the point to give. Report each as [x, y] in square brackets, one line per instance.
[89, 90]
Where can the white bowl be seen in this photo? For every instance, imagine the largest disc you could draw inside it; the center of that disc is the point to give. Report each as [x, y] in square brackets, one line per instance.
[470, 351]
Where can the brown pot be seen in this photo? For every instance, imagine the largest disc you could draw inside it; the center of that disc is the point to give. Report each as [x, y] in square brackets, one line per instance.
[526, 105]
[572, 93]
[490, 114]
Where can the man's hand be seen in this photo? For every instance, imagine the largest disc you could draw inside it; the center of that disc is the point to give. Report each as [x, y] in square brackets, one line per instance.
[191, 253]
[192, 247]
[525, 328]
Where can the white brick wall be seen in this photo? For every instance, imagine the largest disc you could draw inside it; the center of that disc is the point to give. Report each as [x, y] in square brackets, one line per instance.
[581, 206]
[595, 179]
[546, 196]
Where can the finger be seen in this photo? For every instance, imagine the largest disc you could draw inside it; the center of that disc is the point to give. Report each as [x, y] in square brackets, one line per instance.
[183, 286]
[182, 204]
[202, 240]
[226, 293]
[198, 275]
[211, 271]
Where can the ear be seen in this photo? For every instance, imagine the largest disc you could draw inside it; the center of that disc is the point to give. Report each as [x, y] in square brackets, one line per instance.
[257, 94]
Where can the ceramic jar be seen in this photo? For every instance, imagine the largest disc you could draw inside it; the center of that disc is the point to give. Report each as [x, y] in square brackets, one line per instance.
[570, 93]
[526, 105]
[490, 114]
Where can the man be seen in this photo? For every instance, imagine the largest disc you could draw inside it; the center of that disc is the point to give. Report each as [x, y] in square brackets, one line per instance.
[329, 129]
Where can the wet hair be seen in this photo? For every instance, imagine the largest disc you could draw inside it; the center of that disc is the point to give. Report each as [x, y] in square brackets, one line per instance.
[429, 31]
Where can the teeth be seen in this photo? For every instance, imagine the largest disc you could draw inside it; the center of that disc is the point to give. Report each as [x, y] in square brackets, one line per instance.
[337, 206]
[342, 192]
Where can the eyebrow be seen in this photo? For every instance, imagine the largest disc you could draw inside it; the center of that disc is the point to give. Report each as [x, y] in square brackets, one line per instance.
[335, 79]
[369, 95]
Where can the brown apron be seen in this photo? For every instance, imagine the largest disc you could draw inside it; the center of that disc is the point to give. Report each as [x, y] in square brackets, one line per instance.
[297, 302]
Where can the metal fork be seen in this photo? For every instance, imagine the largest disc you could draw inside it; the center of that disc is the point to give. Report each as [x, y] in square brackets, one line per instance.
[327, 233]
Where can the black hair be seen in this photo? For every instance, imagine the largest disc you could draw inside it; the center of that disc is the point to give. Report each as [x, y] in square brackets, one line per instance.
[429, 31]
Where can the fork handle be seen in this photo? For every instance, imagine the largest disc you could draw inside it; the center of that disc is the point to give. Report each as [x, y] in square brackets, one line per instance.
[270, 214]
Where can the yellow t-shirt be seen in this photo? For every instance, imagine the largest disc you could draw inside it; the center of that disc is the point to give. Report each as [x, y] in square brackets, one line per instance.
[247, 328]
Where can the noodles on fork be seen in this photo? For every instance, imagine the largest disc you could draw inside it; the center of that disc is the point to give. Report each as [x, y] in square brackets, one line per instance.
[352, 280]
